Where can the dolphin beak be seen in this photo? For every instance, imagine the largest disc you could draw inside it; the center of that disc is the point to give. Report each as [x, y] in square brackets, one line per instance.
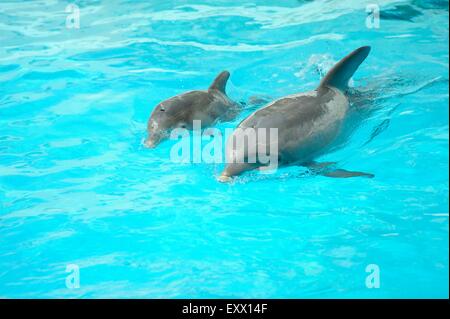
[149, 143]
[224, 178]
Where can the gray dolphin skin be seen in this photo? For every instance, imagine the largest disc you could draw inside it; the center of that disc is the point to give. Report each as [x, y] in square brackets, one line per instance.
[180, 111]
[309, 124]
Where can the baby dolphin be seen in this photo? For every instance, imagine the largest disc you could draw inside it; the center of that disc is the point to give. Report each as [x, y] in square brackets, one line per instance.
[180, 111]
[309, 125]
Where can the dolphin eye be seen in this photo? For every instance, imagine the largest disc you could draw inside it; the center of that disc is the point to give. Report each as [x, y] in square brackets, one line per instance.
[162, 109]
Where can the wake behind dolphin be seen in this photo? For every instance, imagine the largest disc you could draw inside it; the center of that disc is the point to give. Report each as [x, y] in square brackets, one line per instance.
[309, 125]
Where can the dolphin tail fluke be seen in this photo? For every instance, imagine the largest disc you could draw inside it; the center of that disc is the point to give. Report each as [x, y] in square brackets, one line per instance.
[220, 82]
[341, 73]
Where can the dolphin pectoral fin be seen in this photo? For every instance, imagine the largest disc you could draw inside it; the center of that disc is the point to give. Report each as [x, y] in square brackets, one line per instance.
[342, 173]
[220, 82]
[326, 169]
[317, 166]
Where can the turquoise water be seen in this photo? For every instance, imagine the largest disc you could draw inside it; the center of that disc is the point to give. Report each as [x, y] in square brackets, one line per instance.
[77, 186]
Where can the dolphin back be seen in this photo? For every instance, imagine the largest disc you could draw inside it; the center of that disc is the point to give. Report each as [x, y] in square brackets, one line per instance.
[341, 73]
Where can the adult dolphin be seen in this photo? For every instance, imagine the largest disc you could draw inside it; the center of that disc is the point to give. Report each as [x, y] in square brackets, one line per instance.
[207, 106]
[309, 125]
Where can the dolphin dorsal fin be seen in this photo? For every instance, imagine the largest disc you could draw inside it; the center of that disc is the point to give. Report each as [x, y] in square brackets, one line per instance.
[341, 73]
[220, 82]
